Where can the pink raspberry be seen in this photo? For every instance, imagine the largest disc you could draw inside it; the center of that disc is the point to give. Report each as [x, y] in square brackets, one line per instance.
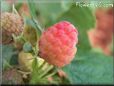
[57, 44]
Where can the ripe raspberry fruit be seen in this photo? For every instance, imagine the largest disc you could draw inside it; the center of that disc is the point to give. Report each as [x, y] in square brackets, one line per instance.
[57, 44]
[10, 24]
[102, 35]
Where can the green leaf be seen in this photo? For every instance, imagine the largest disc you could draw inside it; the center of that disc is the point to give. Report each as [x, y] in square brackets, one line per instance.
[27, 47]
[90, 68]
[9, 55]
[51, 11]
[32, 8]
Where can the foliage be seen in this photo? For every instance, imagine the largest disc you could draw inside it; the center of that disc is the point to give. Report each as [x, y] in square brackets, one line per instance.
[90, 68]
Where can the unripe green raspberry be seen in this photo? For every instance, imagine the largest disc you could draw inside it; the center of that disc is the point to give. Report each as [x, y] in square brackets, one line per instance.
[26, 59]
[57, 44]
[10, 24]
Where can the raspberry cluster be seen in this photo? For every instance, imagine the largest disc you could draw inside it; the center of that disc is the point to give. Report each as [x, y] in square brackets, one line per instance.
[102, 35]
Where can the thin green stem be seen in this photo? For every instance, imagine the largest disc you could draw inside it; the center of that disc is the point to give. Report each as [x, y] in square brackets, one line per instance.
[37, 25]
[46, 71]
[14, 10]
[44, 63]
[49, 75]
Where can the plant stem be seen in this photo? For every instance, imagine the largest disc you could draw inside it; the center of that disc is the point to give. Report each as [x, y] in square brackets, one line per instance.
[46, 71]
[49, 75]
